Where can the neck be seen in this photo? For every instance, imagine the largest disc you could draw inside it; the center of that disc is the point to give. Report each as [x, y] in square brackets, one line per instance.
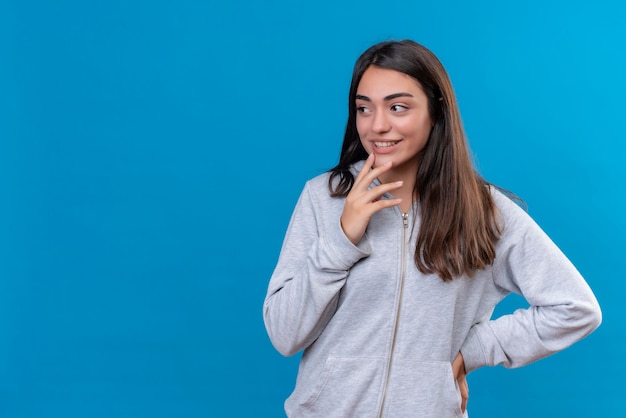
[405, 192]
[406, 172]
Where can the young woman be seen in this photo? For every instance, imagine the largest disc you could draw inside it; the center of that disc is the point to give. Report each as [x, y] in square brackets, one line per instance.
[394, 260]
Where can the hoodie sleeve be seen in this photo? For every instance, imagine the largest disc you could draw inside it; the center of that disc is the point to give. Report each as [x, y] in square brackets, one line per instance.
[312, 268]
[562, 310]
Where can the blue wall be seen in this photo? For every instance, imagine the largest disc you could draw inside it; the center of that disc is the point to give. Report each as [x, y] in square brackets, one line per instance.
[151, 153]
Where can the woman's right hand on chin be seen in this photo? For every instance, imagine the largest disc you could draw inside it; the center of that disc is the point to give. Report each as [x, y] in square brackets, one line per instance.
[362, 203]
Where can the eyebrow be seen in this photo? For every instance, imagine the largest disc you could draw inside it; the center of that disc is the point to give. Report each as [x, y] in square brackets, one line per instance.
[386, 98]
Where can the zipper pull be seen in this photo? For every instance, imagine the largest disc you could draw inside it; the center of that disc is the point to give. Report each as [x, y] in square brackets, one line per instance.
[405, 220]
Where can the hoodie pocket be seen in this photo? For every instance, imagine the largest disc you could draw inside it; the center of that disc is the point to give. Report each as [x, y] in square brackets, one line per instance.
[428, 387]
[347, 386]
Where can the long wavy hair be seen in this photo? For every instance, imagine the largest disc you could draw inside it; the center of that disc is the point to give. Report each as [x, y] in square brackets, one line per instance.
[459, 229]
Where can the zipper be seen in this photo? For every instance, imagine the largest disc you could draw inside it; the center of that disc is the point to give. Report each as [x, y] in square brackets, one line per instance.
[405, 223]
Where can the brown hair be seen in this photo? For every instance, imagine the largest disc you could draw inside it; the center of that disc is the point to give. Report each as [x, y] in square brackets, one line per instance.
[459, 229]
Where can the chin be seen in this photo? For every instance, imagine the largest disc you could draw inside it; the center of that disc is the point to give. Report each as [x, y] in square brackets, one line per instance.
[381, 159]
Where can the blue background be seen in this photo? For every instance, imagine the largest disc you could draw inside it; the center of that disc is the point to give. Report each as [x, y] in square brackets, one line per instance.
[151, 153]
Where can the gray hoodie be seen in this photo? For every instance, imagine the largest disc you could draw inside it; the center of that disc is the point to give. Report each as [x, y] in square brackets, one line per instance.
[379, 336]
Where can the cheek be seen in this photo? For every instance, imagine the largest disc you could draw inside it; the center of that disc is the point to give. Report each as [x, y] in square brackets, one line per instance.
[417, 129]
[360, 127]
[408, 126]
[367, 146]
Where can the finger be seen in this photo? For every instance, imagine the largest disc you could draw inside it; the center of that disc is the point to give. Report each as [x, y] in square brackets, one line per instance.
[464, 389]
[367, 174]
[369, 163]
[380, 169]
[384, 204]
[375, 193]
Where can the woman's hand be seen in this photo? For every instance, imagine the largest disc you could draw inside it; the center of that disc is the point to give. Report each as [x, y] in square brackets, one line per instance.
[361, 203]
[458, 371]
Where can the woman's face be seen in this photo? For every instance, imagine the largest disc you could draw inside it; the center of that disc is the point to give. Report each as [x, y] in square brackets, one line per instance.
[392, 118]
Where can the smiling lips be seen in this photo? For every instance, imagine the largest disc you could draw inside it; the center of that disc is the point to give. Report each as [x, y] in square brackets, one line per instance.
[381, 145]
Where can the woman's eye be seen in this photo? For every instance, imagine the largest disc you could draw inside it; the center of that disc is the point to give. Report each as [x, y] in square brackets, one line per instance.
[362, 109]
[398, 108]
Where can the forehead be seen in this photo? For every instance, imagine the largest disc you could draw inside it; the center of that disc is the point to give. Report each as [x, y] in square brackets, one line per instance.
[385, 81]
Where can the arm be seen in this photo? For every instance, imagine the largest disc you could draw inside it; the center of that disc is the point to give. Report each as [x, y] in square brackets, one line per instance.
[316, 257]
[563, 309]
[312, 268]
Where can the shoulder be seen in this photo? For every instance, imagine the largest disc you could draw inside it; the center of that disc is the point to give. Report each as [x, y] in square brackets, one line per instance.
[506, 201]
[514, 220]
[316, 189]
[318, 182]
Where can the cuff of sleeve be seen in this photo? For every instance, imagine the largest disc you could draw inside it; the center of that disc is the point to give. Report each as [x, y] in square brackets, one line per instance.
[342, 251]
[472, 351]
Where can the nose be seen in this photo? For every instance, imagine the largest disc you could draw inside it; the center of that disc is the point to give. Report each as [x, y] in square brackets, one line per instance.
[380, 123]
